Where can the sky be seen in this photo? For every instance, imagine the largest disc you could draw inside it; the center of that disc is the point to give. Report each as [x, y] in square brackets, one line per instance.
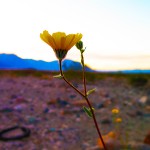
[116, 33]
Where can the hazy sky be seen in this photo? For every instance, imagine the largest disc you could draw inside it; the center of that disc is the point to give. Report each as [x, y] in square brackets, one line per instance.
[116, 33]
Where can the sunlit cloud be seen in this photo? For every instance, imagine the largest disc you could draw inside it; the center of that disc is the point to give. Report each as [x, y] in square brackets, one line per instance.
[111, 62]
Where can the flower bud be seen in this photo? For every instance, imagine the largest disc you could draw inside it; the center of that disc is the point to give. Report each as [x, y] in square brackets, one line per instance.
[79, 45]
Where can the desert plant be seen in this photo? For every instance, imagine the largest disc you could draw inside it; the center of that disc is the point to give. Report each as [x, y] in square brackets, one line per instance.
[61, 44]
[138, 81]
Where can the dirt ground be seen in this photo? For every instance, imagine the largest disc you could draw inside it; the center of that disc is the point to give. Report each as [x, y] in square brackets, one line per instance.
[53, 112]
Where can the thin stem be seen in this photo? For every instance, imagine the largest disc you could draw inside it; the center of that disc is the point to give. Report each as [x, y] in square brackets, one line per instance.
[96, 124]
[61, 72]
[89, 104]
[83, 74]
[85, 96]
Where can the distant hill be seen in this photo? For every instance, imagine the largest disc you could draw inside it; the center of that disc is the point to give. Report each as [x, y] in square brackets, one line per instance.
[11, 61]
[136, 71]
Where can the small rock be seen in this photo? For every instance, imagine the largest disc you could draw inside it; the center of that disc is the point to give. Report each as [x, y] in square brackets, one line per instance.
[85, 144]
[131, 114]
[62, 102]
[106, 121]
[147, 139]
[46, 110]
[6, 109]
[20, 107]
[139, 113]
[52, 101]
[20, 99]
[13, 96]
[100, 105]
[127, 103]
[32, 120]
[44, 149]
[147, 108]
[31, 109]
[72, 96]
[78, 119]
[52, 129]
[143, 100]
[107, 102]
[93, 148]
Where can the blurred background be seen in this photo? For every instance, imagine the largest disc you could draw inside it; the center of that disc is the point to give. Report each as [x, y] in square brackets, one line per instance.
[116, 34]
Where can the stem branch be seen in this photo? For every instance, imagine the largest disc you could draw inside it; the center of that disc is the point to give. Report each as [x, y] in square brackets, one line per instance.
[83, 95]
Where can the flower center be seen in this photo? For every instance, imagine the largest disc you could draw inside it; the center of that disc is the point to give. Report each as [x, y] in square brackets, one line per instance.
[60, 54]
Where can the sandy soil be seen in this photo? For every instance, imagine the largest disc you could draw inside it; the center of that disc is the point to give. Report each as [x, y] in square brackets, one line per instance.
[53, 112]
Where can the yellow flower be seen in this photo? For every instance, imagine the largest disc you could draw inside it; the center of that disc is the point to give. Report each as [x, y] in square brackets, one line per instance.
[115, 111]
[109, 138]
[60, 42]
[118, 120]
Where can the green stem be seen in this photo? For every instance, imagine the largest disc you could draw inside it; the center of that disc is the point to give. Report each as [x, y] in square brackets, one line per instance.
[89, 104]
[83, 74]
[61, 72]
[85, 96]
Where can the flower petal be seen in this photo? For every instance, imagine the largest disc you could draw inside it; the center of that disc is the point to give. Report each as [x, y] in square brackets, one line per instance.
[69, 39]
[60, 41]
[76, 39]
[57, 38]
[63, 39]
[46, 37]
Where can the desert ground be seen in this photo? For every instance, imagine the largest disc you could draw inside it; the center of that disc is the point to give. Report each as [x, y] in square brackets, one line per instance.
[53, 111]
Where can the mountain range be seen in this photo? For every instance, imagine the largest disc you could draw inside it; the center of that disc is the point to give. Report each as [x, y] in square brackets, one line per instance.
[11, 61]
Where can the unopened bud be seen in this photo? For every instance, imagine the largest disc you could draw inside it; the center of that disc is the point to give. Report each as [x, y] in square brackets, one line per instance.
[79, 45]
